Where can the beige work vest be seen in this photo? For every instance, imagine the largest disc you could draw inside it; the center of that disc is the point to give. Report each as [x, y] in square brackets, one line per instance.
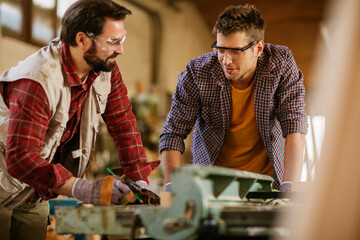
[45, 67]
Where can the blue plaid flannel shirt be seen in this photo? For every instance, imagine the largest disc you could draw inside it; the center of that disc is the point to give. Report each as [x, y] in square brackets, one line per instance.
[203, 98]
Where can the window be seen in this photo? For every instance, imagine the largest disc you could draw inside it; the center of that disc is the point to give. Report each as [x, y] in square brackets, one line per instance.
[11, 17]
[43, 27]
[33, 21]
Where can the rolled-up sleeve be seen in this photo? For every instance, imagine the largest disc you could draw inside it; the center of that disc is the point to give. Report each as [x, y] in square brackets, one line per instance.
[121, 125]
[291, 98]
[183, 113]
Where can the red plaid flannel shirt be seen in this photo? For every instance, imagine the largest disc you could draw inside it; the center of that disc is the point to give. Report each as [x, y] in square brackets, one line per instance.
[29, 120]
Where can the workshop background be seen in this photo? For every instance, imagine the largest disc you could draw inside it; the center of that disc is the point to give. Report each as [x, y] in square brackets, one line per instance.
[163, 35]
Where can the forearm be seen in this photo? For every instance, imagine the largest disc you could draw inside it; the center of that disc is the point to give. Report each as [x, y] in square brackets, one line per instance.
[293, 157]
[171, 159]
[66, 188]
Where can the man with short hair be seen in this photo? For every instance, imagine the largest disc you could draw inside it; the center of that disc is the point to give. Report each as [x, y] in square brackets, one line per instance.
[50, 109]
[246, 99]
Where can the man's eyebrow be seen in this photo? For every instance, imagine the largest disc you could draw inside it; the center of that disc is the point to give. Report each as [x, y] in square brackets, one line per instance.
[112, 40]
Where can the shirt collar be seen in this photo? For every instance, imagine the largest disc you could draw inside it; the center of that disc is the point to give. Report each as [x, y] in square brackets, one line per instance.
[73, 78]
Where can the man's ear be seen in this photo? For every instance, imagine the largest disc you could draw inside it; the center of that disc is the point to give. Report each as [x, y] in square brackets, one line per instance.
[260, 47]
[83, 41]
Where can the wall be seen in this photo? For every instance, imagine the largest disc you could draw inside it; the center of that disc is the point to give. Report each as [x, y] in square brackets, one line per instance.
[12, 51]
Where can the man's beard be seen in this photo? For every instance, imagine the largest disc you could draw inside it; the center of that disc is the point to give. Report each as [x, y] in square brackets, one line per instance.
[98, 64]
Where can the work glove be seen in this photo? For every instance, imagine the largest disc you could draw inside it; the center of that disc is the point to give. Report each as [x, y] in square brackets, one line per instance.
[285, 186]
[106, 191]
[168, 187]
[142, 184]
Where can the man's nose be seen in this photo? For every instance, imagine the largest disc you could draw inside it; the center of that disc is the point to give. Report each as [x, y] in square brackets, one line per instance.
[119, 50]
[227, 58]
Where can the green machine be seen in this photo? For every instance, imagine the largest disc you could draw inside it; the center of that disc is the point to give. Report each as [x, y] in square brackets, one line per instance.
[208, 202]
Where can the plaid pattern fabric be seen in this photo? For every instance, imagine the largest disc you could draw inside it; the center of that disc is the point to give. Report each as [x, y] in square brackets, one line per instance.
[29, 119]
[79, 92]
[203, 98]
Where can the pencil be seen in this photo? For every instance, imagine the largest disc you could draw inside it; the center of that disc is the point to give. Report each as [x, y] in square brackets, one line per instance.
[112, 173]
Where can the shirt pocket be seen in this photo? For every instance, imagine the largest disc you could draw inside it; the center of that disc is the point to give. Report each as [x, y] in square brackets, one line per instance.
[211, 117]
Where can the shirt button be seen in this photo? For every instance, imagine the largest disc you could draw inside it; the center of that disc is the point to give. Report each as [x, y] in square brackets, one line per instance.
[83, 151]
[42, 155]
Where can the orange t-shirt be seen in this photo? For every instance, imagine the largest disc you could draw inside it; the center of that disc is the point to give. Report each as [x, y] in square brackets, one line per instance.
[243, 147]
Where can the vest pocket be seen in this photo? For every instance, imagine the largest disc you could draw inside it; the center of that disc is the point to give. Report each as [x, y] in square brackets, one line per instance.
[211, 117]
[101, 101]
[50, 146]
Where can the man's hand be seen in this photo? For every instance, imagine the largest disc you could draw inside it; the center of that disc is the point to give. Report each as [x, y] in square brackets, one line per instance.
[168, 187]
[286, 186]
[106, 191]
